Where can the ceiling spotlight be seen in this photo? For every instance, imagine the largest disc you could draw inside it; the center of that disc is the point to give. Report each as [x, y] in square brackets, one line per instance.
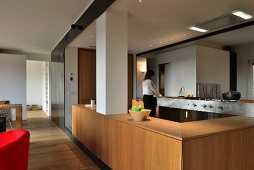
[160, 42]
[140, 1]
[150, 45]
[242, 14]
[194, 28]
[184, 34]
[91, 36]
[74, 26]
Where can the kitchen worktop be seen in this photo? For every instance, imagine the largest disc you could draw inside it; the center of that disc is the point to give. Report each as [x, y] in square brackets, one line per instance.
[189, 130]
[86, 106]
[213, 106]
[198, 98]
[186, 130]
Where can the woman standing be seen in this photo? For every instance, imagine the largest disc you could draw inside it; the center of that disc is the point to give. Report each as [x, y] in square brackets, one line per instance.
[149, 91]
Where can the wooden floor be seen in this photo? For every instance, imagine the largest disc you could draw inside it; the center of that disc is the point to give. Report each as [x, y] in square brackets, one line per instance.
[51, 148]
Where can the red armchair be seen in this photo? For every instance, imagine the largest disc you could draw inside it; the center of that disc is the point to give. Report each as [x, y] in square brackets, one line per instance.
[14, 148]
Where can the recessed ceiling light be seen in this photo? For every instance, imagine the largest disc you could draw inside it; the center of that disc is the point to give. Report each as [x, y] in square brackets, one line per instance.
[197, 29]
[150, 45]
[184, 34]
[140, 1]
[91, 36]
[242, 14]
[160, 42]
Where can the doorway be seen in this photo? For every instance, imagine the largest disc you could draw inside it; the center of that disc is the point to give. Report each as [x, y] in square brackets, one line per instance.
[165, 79]
[250, 80]
[162, 79]
[37, 86]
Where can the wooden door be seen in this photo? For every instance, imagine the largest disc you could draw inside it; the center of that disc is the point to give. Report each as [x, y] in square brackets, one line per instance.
[86, 75]
[130, 80]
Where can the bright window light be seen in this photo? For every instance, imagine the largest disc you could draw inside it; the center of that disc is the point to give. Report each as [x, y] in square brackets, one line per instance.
[242, 14]
[197, 29]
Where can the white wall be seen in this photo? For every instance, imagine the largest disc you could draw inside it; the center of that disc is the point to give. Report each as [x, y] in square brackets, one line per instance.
[29, 56]
[13, 79]
[38, 57]
[101, 63]
[141, 63]
[244, 53]
[71, 87]
[213, 66]
[183, 69]
[34, 82]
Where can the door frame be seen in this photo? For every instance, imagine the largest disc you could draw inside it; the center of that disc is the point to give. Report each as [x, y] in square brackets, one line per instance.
[249, 83]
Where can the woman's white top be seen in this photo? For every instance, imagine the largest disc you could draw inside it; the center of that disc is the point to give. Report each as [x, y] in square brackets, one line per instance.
[149, 88]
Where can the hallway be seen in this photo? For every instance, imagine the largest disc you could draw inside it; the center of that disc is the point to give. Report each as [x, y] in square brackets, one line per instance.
[51, 148]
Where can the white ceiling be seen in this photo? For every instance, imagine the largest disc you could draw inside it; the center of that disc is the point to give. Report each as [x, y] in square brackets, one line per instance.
[165, 21]
[37, 25]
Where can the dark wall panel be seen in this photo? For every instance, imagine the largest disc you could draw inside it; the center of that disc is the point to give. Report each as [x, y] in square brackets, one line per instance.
[130, 80]
[57, 89]
[233, 68]
[233, 71]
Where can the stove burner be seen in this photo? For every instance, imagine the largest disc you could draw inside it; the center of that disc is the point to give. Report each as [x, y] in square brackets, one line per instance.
[220, 100]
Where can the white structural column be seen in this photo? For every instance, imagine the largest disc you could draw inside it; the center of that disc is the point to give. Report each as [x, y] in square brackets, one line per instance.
[111, 62]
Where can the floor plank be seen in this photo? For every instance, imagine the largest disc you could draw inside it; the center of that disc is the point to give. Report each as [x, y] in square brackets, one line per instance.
[51, 148]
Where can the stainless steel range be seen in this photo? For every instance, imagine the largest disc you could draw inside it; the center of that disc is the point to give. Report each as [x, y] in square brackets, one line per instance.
[211, 106]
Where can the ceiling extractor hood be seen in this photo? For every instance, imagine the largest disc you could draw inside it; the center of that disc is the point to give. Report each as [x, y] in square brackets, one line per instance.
[227, 20]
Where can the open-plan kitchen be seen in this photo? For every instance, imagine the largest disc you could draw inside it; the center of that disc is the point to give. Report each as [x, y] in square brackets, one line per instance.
[139, 84]
[201, 90]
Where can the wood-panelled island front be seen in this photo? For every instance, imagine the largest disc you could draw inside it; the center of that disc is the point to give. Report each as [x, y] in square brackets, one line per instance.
[120, 142]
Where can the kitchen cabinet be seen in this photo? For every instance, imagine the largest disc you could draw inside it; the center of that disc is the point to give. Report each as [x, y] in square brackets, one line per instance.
[122, 143]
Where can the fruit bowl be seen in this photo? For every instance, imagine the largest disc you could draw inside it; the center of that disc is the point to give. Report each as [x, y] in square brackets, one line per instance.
[140, 115]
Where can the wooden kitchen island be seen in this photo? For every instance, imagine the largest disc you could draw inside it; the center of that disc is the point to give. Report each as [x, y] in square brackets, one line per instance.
[121, 143]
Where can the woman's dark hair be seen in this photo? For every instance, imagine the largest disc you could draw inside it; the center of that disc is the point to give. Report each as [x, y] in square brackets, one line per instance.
[149, 74]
